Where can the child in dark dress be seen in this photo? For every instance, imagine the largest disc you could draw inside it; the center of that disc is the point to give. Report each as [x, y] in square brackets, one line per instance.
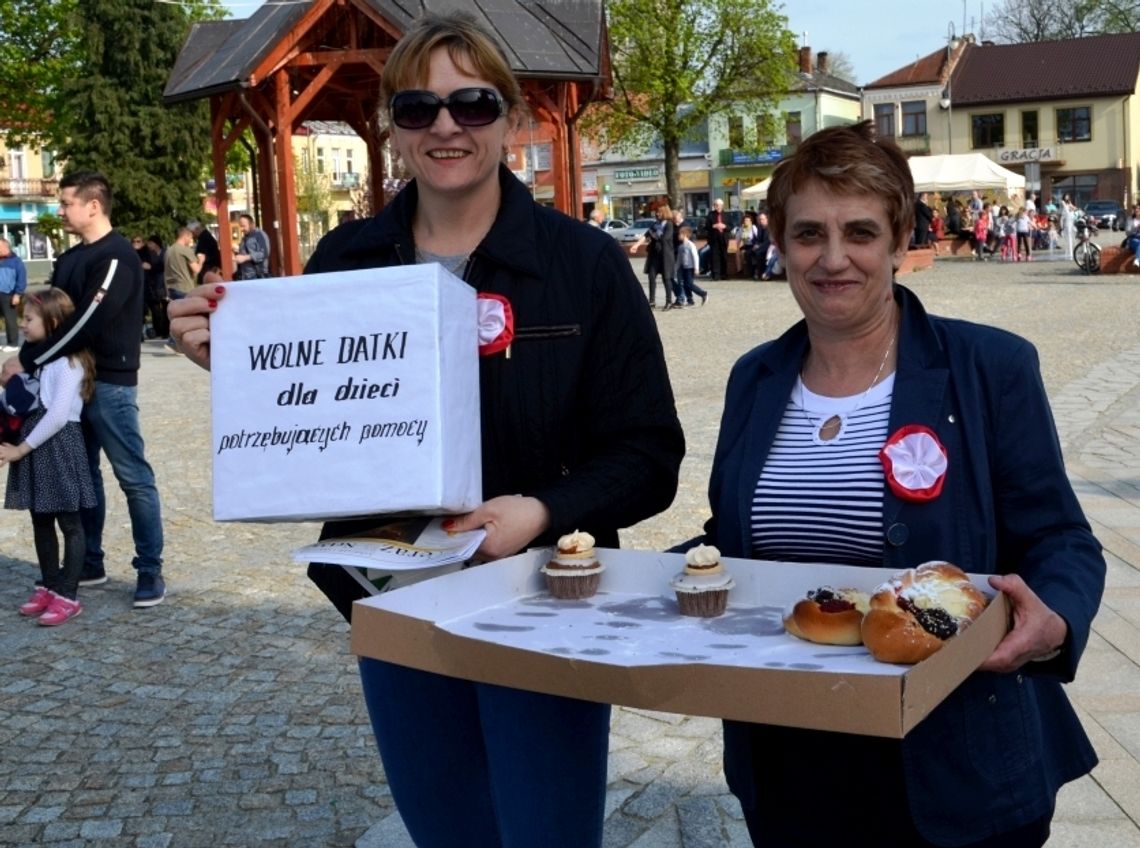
[48, 471]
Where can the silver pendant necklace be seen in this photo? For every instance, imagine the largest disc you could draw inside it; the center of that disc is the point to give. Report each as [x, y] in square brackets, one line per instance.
[839, 418]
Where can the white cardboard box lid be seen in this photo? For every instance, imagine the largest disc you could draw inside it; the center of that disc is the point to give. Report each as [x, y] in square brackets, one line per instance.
[496, 624]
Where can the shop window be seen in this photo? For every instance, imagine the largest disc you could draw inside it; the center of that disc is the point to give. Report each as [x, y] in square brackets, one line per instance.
[1074, 124]
[988, 130]
[914, 117]
[1081, 188]
[885, 120]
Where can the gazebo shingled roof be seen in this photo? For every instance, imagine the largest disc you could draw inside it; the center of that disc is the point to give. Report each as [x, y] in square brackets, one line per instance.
[322, 60]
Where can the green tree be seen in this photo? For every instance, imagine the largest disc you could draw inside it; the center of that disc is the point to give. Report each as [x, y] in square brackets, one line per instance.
[111, 116]
[314, 199]
[675, 62]
[38, 51]
[1021, 21]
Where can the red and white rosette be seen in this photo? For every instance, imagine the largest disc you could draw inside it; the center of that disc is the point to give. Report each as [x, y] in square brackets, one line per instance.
[915, 463]
[496, 323]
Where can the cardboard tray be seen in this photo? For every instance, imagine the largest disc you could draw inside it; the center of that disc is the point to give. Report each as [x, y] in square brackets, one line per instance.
[628, 644]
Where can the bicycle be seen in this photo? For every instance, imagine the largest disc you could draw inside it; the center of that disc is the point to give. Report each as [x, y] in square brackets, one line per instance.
[1087, 252]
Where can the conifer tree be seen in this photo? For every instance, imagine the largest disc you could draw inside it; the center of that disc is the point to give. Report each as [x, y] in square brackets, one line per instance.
[110, 116]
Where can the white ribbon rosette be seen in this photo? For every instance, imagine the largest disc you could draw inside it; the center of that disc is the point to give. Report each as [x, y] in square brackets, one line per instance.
[915, 463]
[496, 323]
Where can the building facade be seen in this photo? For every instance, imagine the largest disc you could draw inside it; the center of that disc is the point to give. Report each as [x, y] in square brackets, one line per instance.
[1063, 113]
[29, 188]
[742, 157]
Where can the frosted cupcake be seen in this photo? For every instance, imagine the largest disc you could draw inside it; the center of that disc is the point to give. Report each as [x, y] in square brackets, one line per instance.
[702, 588]
[574, 572]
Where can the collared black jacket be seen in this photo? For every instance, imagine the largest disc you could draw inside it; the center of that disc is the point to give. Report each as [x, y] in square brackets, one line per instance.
[579, 411]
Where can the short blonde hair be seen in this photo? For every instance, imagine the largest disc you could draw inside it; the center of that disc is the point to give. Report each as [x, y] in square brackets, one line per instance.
[470, 46]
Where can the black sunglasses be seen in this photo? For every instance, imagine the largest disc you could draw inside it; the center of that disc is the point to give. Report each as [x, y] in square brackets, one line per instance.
[469, 107]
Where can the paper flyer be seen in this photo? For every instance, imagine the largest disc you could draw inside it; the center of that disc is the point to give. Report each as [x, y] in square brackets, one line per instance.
[402, 544]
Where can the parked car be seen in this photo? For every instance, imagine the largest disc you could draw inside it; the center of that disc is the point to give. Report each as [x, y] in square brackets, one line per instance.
[1108, 214]
[612, 225]
[634, 231]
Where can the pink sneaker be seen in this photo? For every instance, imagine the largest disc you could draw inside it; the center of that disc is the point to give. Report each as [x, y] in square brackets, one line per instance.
[60, 610]
[38, 602]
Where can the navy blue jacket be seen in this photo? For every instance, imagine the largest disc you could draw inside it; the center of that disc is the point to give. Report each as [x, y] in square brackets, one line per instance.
[992, 756]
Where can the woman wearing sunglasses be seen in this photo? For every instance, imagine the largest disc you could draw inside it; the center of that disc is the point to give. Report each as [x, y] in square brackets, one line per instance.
[579, 430]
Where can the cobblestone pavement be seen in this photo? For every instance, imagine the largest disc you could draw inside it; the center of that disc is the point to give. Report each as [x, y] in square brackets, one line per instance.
[230, 715]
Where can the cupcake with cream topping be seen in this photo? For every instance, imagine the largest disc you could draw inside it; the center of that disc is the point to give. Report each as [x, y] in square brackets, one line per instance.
[702, 588]
[574, 572]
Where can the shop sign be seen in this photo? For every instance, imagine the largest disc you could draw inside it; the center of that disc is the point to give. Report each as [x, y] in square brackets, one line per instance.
[1028, 154]
[740, 157]
[652, 173]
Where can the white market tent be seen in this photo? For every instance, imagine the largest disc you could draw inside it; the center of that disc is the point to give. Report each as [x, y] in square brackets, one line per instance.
[962, 172]
[758, 191]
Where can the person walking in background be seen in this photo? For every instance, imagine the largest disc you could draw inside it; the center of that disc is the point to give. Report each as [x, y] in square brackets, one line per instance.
[982, 232]
[48, 473]
[104, 278]
[717, 226]
[659, 253]
[688, 260]
[206, 249]
[154, 285]
[1068, 223]
[13, 283]
[252, 254]
[154, 280]
[923, 217]
[1023, 229]
[182, 265]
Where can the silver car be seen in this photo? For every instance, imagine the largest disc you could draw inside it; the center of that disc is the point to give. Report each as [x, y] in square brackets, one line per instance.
[634, 231]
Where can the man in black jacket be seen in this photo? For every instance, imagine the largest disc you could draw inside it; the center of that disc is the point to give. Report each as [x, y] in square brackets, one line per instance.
[104, 277]
[923, 216]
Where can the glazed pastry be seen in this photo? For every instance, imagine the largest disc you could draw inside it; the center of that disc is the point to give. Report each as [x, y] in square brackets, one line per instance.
[829, 616]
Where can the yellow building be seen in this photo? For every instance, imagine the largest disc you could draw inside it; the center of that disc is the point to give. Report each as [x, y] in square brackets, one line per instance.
[1063, 113]
[28, 188]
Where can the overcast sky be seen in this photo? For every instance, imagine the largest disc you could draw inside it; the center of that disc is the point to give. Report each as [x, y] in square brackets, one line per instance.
[877, 37]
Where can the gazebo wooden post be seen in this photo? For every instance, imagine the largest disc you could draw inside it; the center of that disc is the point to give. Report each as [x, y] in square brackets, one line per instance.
[219, 111]
[267, 195]
[286, 190]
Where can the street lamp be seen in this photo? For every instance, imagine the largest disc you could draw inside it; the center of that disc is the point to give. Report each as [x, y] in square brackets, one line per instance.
[947, 102]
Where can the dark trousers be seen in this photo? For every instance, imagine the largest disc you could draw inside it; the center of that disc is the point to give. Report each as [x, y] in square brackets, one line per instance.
[159, 321]
[718, 255]
[684, 287]
[11, 320]
[61, 576]
[472, 765]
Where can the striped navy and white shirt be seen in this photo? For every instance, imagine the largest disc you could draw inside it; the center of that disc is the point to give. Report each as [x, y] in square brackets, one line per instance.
[822, 500]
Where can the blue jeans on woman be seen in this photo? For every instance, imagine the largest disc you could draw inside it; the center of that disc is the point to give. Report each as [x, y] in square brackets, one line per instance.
[472, 765]
[111, 425]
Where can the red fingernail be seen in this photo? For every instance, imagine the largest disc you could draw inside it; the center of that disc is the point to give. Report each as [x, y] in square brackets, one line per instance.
[219, 290]
[213, 304]
[448, 524]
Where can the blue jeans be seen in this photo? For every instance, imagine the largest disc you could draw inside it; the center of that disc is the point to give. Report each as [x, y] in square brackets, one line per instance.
[111, 426]
[472, 765]
[685, 286]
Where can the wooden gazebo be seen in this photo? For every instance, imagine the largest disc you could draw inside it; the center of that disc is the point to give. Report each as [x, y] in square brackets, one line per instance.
[322, 60]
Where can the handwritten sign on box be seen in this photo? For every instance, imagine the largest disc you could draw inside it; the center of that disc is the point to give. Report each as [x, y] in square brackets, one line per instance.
[345, 394]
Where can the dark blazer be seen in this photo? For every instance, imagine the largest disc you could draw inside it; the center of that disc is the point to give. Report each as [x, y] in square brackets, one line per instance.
[1001, 745]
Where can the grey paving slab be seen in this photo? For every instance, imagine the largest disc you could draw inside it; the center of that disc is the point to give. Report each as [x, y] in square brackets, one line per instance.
[230, 715]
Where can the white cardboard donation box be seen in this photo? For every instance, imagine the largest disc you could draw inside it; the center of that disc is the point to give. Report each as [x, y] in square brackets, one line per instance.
[345, 394]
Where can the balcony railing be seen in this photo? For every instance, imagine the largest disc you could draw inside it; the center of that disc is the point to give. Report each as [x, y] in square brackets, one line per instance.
[29, 188]
[346, 180]
[913, 143]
